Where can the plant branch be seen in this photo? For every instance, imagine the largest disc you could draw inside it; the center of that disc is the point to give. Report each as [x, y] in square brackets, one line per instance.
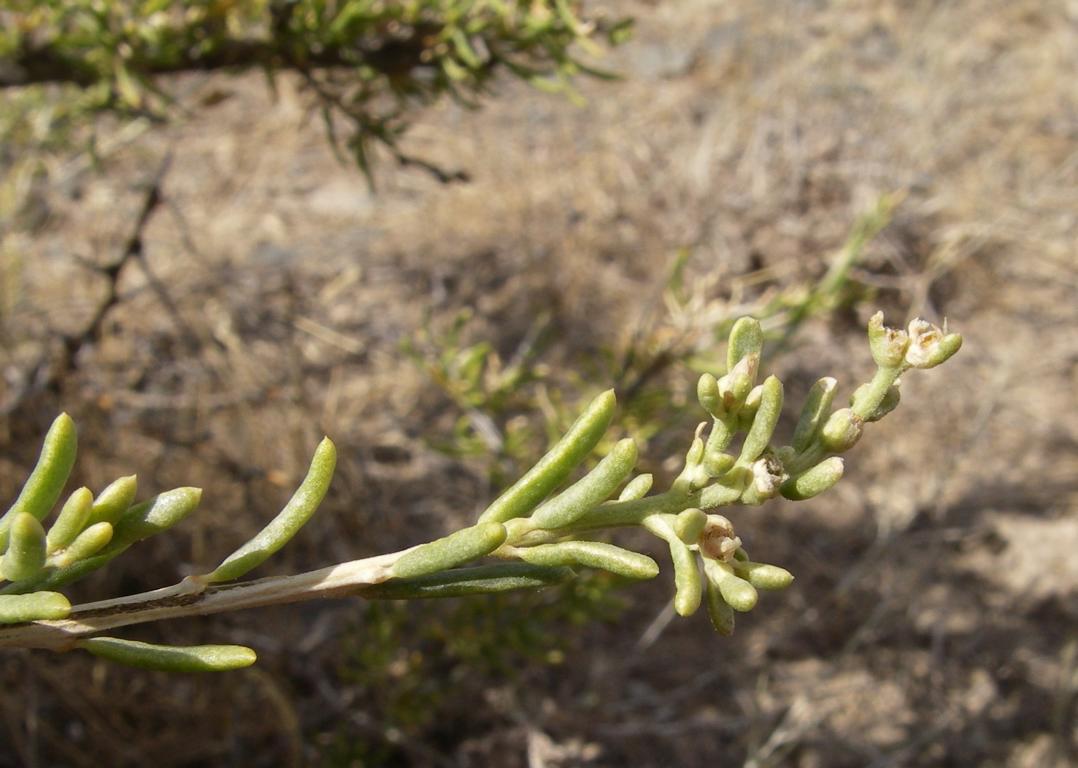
[193, 598]
[34, 65]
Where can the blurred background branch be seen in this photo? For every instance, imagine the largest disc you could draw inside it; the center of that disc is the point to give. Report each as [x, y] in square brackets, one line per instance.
[369, 63]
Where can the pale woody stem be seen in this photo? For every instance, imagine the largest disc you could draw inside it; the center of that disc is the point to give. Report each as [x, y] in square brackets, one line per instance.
[188, 598]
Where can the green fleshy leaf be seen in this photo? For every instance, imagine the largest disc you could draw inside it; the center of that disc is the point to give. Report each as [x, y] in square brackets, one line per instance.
[114, 500]
[87, 544]
[814, 481]
[45, 484]
[589, 491]
[593, 554]
[556, 465]
[153, 516]
[450, 551]
[689, 524]
[25, 556]
[36, 606]
[170, 658]
[814, 412]
[481, 580]
[286, 524]
[707, 392]
[719, 611]
[746, 338]
[763, 576]
[763, 426]
[841, 431]
[738, 593]
[637, 488]
[71, 521]
[687, 584]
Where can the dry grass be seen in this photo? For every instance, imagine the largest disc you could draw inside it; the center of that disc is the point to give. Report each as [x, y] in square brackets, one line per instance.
[933, 622]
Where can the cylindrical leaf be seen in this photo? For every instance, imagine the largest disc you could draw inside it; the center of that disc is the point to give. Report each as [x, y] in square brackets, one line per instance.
[763, 576]
[689, 524]
[453, 550]
[114, 500]
[593, 554]
[556, 465]
[637, 488]
[170, 658]
[46, 482]
[763, 426]
[738, 593]
[25, 556]
[719, 611]
[86, 544]
[589, 491]
[72, 519]
[814, 481]
[746, 338]
[813, 413]
[841, 431]
[687, 584]
[707, 392]
[481, 580]
[36, 606]
[153, 516]
[286, 524]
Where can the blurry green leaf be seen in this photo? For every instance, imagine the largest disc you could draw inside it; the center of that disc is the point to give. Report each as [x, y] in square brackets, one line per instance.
[170, 658]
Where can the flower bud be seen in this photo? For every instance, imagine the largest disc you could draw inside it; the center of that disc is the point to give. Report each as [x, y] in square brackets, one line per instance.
[767, 476]
[717, 539]
[735, 386]
[929, 346]
[888, 345]
[841, 431]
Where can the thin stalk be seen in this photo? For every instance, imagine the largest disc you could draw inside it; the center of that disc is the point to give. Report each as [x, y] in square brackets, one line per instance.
[872, 395]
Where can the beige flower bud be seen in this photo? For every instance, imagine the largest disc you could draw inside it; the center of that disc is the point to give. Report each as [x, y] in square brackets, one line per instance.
[930, 346]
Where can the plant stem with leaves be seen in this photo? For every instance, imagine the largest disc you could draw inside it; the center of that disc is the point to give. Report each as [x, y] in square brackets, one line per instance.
[539, 532]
